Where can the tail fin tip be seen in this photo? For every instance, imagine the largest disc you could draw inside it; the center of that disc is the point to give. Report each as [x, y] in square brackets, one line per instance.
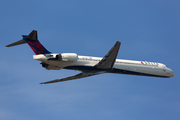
[33, 35]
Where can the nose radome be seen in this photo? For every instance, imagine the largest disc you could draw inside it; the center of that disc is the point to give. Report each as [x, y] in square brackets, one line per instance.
[172, 74]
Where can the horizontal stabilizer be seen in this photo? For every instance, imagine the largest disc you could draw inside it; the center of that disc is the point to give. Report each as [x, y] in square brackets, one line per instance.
[32, 36]
[17, 43]
[33, 42]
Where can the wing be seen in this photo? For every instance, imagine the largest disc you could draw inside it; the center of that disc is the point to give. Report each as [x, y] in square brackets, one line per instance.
[107, 62]
[109, 59]
[80, 75]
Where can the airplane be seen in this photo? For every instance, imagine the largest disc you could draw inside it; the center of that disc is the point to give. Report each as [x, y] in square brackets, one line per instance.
[89, 65]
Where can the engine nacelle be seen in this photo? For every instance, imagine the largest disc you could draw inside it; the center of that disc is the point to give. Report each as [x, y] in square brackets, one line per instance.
[70, 57]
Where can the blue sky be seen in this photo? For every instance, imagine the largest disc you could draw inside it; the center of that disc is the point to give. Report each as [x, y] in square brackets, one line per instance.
[148, 30]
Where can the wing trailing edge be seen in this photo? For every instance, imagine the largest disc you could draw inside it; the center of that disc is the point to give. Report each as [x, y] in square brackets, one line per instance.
[77, 76]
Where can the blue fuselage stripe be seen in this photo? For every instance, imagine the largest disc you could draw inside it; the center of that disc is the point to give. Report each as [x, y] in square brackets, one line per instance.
[114, 70]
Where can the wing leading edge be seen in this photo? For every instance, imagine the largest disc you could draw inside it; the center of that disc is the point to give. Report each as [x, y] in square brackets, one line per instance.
[109, 59]
[106, 63]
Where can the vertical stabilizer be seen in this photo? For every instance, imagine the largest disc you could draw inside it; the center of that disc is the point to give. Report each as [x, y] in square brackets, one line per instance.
[36, 46]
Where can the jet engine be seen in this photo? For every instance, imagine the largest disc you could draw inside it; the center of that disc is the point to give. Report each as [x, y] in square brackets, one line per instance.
[69, 57]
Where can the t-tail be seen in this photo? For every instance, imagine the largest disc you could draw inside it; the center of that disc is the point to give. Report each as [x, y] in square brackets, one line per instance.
[33, 42]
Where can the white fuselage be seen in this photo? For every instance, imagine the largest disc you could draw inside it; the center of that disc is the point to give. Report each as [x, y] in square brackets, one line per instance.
[86, 63]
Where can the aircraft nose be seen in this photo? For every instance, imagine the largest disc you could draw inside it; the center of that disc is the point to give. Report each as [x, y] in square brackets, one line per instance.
[172, 74]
